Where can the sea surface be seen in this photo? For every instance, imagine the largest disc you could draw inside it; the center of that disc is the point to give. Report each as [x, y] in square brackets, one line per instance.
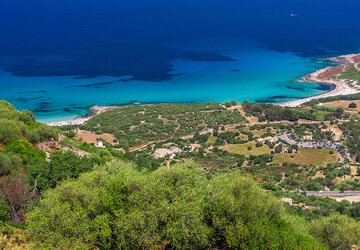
[60, 57]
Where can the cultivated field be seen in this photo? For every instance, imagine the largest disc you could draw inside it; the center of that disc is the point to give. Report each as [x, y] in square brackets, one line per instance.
[242, 149]
[317, 157]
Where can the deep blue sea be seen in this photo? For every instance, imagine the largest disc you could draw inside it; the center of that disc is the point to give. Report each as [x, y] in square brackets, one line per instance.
[59, 57]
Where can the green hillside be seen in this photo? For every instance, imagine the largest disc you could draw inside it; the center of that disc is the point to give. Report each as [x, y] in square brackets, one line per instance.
[57, 192]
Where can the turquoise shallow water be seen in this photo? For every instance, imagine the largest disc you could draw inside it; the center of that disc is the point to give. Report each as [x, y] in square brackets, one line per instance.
[59, 57]
[256, 74]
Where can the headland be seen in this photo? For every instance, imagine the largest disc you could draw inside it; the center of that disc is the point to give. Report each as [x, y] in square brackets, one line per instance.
[333, 75]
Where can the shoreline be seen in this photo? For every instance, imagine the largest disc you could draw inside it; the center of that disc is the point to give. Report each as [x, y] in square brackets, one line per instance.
[82, 119]
[326, 76]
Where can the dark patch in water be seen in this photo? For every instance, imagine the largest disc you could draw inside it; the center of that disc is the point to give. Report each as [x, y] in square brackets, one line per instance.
[32, 92]
[296, 88]
[325, 87]
[274, 99]
[73, 109]
[93, 85]
[25, 99]
[151, 78]
[235, 70]
[148, 62]
[44, 103]
[44, 110]
[84, 77]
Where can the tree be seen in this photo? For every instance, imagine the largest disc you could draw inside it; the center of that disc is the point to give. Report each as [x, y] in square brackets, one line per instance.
[339, 113]
[358, 171]
[352, 105]
[62, 166]
[17, 196]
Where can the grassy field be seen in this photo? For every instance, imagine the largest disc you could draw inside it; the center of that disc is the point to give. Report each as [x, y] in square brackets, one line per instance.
[317, 157]
[243, 149]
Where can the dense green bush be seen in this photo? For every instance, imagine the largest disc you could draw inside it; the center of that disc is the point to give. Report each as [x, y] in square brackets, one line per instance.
[4, 211]
[352, 105]
[5, 164]
[337, 231]
[25, 150]
[62, 166]
[117, 207]
[41, 133]
[9, 130]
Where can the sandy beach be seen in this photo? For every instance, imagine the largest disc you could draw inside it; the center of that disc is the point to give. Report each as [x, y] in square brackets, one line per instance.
[328, 76]
[94, 111]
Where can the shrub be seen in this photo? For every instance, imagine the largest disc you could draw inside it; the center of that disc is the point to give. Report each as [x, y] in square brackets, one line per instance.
[4, 212]
[336, 231]
[173, 207]
[352, 105]
[24, 150]
[61, 167]
[42, 133]
[5, 164]
[9, 130]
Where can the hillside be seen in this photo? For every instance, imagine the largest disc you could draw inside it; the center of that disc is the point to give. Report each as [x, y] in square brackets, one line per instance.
[310, 146]
[184, 189]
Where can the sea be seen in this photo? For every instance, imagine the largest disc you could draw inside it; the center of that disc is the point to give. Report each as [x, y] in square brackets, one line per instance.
[60, 57]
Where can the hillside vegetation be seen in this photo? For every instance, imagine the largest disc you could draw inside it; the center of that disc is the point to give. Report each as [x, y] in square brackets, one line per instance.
[117, 207]
[132, 125]
[57, 192]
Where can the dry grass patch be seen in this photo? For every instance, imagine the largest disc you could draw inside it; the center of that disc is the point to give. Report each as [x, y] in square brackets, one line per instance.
[307, 156]
[14, 239]
[90, 137]
[343, 104]
[242, 149]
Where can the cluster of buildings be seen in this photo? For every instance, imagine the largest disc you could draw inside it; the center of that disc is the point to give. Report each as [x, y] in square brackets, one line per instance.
[296, 203]
[172, 151]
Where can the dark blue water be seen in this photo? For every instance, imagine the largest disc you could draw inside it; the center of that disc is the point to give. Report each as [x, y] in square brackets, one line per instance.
[59, 57]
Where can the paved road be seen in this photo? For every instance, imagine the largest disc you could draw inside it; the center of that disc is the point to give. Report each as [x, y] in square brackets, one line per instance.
[331, 193]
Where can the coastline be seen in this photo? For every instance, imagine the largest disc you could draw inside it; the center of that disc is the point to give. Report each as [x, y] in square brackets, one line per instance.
[328, 76]
[94, 111]
[325, 76]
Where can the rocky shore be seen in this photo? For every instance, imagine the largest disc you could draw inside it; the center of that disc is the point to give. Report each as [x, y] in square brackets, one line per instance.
[329, 75]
